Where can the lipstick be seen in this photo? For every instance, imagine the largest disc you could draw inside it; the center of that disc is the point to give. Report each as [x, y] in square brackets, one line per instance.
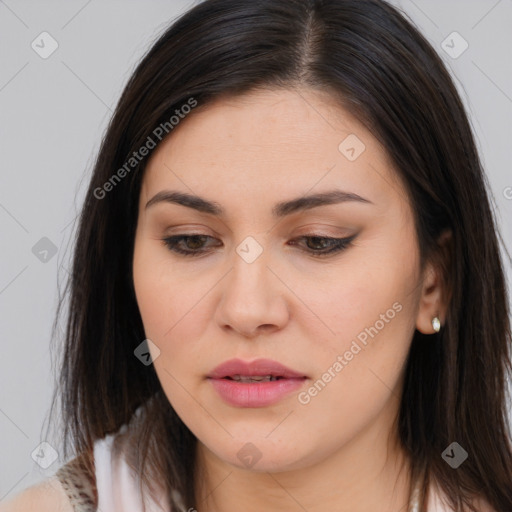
[257, 383]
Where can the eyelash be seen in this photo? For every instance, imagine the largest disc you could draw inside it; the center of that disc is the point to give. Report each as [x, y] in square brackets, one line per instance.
[338, 244]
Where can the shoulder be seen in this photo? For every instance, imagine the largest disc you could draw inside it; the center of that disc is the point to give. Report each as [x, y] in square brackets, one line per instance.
[72, 488]
[47, 496]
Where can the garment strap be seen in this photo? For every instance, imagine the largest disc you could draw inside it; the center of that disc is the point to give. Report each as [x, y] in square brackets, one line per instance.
[78, 480]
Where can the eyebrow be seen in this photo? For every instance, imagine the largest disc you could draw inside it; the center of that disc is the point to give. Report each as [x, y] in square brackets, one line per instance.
[279, 210]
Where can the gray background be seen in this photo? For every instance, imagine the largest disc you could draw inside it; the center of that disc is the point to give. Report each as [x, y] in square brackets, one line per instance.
[53, 114]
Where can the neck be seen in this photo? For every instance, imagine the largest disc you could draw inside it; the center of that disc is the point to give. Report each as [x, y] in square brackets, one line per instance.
[371, 472]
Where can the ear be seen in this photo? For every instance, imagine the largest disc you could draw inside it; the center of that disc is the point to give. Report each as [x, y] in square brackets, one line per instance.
[435, 293]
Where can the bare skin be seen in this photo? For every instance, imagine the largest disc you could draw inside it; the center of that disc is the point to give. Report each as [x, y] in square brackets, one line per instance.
[339, 449]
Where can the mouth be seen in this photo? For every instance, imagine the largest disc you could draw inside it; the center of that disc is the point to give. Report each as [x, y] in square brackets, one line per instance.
[255, 378]
[259, 383]
[259, 370]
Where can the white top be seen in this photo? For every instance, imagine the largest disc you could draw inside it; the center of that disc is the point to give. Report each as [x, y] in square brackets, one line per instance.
[117, 486]
[118, 490]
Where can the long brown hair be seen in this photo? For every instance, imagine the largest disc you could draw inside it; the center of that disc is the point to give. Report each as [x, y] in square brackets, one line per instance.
[381, 69]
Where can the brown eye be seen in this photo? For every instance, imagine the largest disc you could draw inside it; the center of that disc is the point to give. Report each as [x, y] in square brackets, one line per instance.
[324, 245]
[317, 246]
[193, 244]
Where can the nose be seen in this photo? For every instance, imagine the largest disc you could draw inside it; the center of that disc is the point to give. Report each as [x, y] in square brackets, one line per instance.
[253, 298]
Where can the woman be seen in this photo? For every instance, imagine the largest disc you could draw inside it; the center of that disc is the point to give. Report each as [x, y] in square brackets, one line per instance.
[287, 291]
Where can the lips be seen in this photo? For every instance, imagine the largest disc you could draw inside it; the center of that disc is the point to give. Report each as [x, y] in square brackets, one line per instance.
[254, 371]
[259, 383]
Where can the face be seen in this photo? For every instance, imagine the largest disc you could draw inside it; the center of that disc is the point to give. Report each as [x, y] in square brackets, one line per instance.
[261, 281]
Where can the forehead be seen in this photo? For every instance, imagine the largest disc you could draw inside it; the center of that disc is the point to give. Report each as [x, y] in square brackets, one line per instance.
[272, 144]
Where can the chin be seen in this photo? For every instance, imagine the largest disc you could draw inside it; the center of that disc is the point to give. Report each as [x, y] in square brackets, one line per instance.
[262, 455]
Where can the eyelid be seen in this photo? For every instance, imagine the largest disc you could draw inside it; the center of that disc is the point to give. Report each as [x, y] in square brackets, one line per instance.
[313, 229]
[189, 229]
[339, 244]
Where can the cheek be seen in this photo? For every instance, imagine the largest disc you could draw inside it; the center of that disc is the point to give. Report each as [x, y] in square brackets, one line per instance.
[173, 308]
[371, 312]
[356, 383]
[151, 297]
[161, 296]
[373, 292]
[171, 322]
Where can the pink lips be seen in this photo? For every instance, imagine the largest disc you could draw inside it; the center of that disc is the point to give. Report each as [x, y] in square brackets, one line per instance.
[254, 394]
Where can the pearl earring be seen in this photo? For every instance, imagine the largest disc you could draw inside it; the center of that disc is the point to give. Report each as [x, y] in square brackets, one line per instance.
[436, 324]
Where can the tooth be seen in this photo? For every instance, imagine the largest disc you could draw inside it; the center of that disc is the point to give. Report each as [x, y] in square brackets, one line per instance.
[255, 378]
